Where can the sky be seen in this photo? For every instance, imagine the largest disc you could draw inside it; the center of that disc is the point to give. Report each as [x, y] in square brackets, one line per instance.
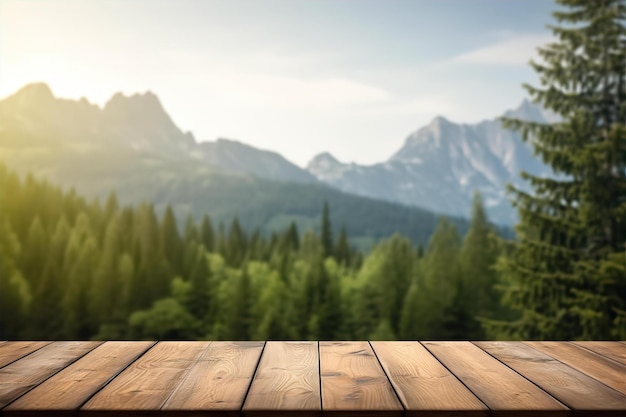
[299, 77]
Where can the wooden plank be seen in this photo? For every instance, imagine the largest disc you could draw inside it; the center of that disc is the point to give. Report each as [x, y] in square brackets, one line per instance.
[425, 387]
[503, 390]
[594, 365]
[146, 384]
[573, 388]
[218, 382]
[286, 381]
[612, 350]
[12, 351]
[21, 376]
[71, 387]
[353, 381]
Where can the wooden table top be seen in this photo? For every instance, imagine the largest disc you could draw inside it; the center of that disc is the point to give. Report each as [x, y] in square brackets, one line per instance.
[314, 378]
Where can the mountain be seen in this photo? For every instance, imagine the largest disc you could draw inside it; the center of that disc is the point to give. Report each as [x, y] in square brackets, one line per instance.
[133, 147]
[233, 156]
[138, 123]
[441, 164]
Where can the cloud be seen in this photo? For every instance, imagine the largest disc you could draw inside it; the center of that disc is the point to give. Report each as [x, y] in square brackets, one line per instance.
[291, 93]
[517, 50]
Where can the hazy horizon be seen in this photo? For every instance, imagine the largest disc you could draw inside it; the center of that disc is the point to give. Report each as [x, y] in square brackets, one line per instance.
[298, 78]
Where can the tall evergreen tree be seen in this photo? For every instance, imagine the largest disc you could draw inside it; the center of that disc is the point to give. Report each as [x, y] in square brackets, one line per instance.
[343, 252]
[171, 244]
[200, 296]
[292, 238]
[208, 234]
[438, 285]
[33, 255]
[567, 273]
[191, 231]
[14, 290]
[104, 292]
[46, 314]
[327, 232]
[237, 244]
[79, 323]
[476, 294]
[153, 269]
[242, 316]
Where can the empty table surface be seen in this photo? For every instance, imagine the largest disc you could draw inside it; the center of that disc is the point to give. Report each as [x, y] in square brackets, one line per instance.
[314, 378]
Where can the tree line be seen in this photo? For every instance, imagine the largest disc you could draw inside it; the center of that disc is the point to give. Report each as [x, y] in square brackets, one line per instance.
[72, 269]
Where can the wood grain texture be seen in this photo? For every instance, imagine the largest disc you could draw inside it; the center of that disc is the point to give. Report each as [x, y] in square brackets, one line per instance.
[21, 376]
[218, 382]
[573, 388]
[594, 365]
[147, 383]
[503, 390]
[612, 350]
[12, 351]
[286, 381]
[72, 386]
[353, 381]
[425, 387]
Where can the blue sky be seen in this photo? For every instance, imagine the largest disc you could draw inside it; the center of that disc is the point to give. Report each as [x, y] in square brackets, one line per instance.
[353, 77]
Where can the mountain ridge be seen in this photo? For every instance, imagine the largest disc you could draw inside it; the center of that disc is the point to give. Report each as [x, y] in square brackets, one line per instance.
[440, 165]
[140, 122]
[71, 144]
[437, 168]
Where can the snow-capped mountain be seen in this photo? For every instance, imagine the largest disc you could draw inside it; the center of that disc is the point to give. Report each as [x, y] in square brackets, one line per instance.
[441, 164]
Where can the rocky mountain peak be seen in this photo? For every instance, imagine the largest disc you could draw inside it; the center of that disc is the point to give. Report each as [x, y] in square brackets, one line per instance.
[146, 103]
[531, 112]
[32, 95]
[442, 163]
[324, 159]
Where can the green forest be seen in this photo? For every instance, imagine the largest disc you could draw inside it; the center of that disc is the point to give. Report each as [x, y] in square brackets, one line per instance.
[77, 269]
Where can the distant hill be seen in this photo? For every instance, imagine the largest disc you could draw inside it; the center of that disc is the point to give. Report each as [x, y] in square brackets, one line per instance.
[442, 163]
[133, 147]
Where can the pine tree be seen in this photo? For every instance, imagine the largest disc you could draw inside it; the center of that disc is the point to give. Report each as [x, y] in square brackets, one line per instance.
[384, 280]
[208, 235]
[237, 244]
[200, 296]
[46, 312]
[242, 316]
[14, 290]
[153, 269]
[191, 231]
[111, 206]
[171, 243]
[343, 252]
[330, 312]
[327, 233]
[104, 292]
[79, 323]
[567, 274]
[291, 238]
[476, 293]
[33, 255]
[438, 284]
[257, 247]
[78, 277]
[411, 316]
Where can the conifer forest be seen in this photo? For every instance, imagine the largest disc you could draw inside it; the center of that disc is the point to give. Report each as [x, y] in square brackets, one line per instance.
[76, 268]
